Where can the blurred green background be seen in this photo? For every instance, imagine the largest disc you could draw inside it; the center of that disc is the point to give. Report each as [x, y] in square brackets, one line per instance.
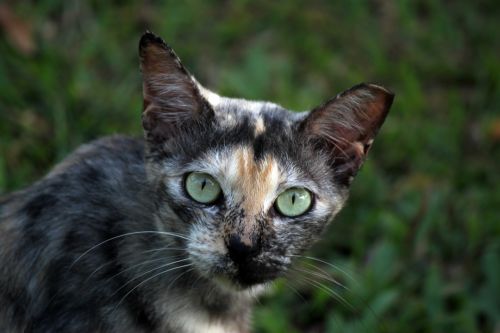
[418, 245]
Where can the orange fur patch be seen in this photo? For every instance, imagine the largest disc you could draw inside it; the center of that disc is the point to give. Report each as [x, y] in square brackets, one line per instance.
[254, 183]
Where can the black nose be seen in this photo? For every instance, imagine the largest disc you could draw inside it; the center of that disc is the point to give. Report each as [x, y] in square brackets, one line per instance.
[241, 252]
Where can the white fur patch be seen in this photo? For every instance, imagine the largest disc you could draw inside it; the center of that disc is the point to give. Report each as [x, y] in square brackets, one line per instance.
[196, 322]
[210, 96]
[259, 126]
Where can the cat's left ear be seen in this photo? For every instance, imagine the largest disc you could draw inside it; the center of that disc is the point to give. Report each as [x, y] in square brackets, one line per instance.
[346, 126]
[171, 97]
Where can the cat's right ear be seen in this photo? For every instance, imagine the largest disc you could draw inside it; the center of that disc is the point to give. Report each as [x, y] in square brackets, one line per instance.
[171, 97]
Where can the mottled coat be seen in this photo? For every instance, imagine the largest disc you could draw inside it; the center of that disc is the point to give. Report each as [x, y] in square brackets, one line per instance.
[109, 240]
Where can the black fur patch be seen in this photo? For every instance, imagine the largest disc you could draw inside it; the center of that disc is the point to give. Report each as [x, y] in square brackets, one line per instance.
[40, 204]
[91, 175]
[18, 300]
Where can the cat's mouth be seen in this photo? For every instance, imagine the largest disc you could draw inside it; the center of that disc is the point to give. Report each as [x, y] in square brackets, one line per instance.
[249, 278]
[242, 282]
[248, 275]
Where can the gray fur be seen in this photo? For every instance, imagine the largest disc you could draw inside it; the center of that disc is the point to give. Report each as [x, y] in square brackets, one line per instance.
[109, 241]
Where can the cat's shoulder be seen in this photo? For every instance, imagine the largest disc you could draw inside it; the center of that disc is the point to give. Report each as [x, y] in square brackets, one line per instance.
[112, 151]
[111, 164]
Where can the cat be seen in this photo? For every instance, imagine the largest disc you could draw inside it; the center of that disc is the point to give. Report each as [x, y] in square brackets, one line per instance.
[179, 231]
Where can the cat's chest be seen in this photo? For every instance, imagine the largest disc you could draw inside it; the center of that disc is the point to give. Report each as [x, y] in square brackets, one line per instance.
[185, 318]
[193, 323]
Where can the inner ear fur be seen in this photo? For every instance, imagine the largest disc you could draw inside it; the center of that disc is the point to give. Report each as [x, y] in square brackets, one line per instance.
[346, 125]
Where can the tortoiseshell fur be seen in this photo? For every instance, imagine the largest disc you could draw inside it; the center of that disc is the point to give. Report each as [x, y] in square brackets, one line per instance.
[109, 240]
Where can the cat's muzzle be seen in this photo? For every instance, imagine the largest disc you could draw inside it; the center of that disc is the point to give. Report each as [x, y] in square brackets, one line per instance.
[250, 269]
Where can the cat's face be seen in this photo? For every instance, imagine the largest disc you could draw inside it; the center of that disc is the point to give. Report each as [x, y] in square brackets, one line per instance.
[225, 181]
[250, 184]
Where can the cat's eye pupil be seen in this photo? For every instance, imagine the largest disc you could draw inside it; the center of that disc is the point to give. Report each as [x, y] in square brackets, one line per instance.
[293, 202]
[202, 187]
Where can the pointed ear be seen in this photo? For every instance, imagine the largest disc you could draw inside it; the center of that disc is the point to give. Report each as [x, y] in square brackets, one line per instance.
[171, 97]
[346, 126]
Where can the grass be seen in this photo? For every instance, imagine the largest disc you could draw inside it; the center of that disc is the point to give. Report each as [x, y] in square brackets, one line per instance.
[420, 236]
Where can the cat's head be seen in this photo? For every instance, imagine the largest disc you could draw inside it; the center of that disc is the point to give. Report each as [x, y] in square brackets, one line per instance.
[250, 183]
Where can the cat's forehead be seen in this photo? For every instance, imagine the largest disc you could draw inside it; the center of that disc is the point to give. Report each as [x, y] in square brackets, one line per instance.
[260, 114]
[251, 179]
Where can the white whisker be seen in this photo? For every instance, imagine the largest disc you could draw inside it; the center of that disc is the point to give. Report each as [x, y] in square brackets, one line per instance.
[323, 275]
[330, 291]
[147, 272]
[125, 235]
[336, 267]
[288, 285]
[178, 276]
[134, 266]
[143, 264]
[165, 248]
[97, 270]
[148, 279]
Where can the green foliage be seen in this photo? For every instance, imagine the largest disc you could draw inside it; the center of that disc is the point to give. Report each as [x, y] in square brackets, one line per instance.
[418, 245]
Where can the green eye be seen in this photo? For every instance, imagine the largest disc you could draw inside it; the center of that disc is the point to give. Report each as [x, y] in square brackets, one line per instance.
[202, 187]
[294, 202]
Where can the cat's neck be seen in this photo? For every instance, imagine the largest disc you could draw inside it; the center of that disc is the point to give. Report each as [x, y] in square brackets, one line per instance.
[196, 304]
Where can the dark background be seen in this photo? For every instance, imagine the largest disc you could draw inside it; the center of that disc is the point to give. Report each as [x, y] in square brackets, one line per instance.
[417, 247]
